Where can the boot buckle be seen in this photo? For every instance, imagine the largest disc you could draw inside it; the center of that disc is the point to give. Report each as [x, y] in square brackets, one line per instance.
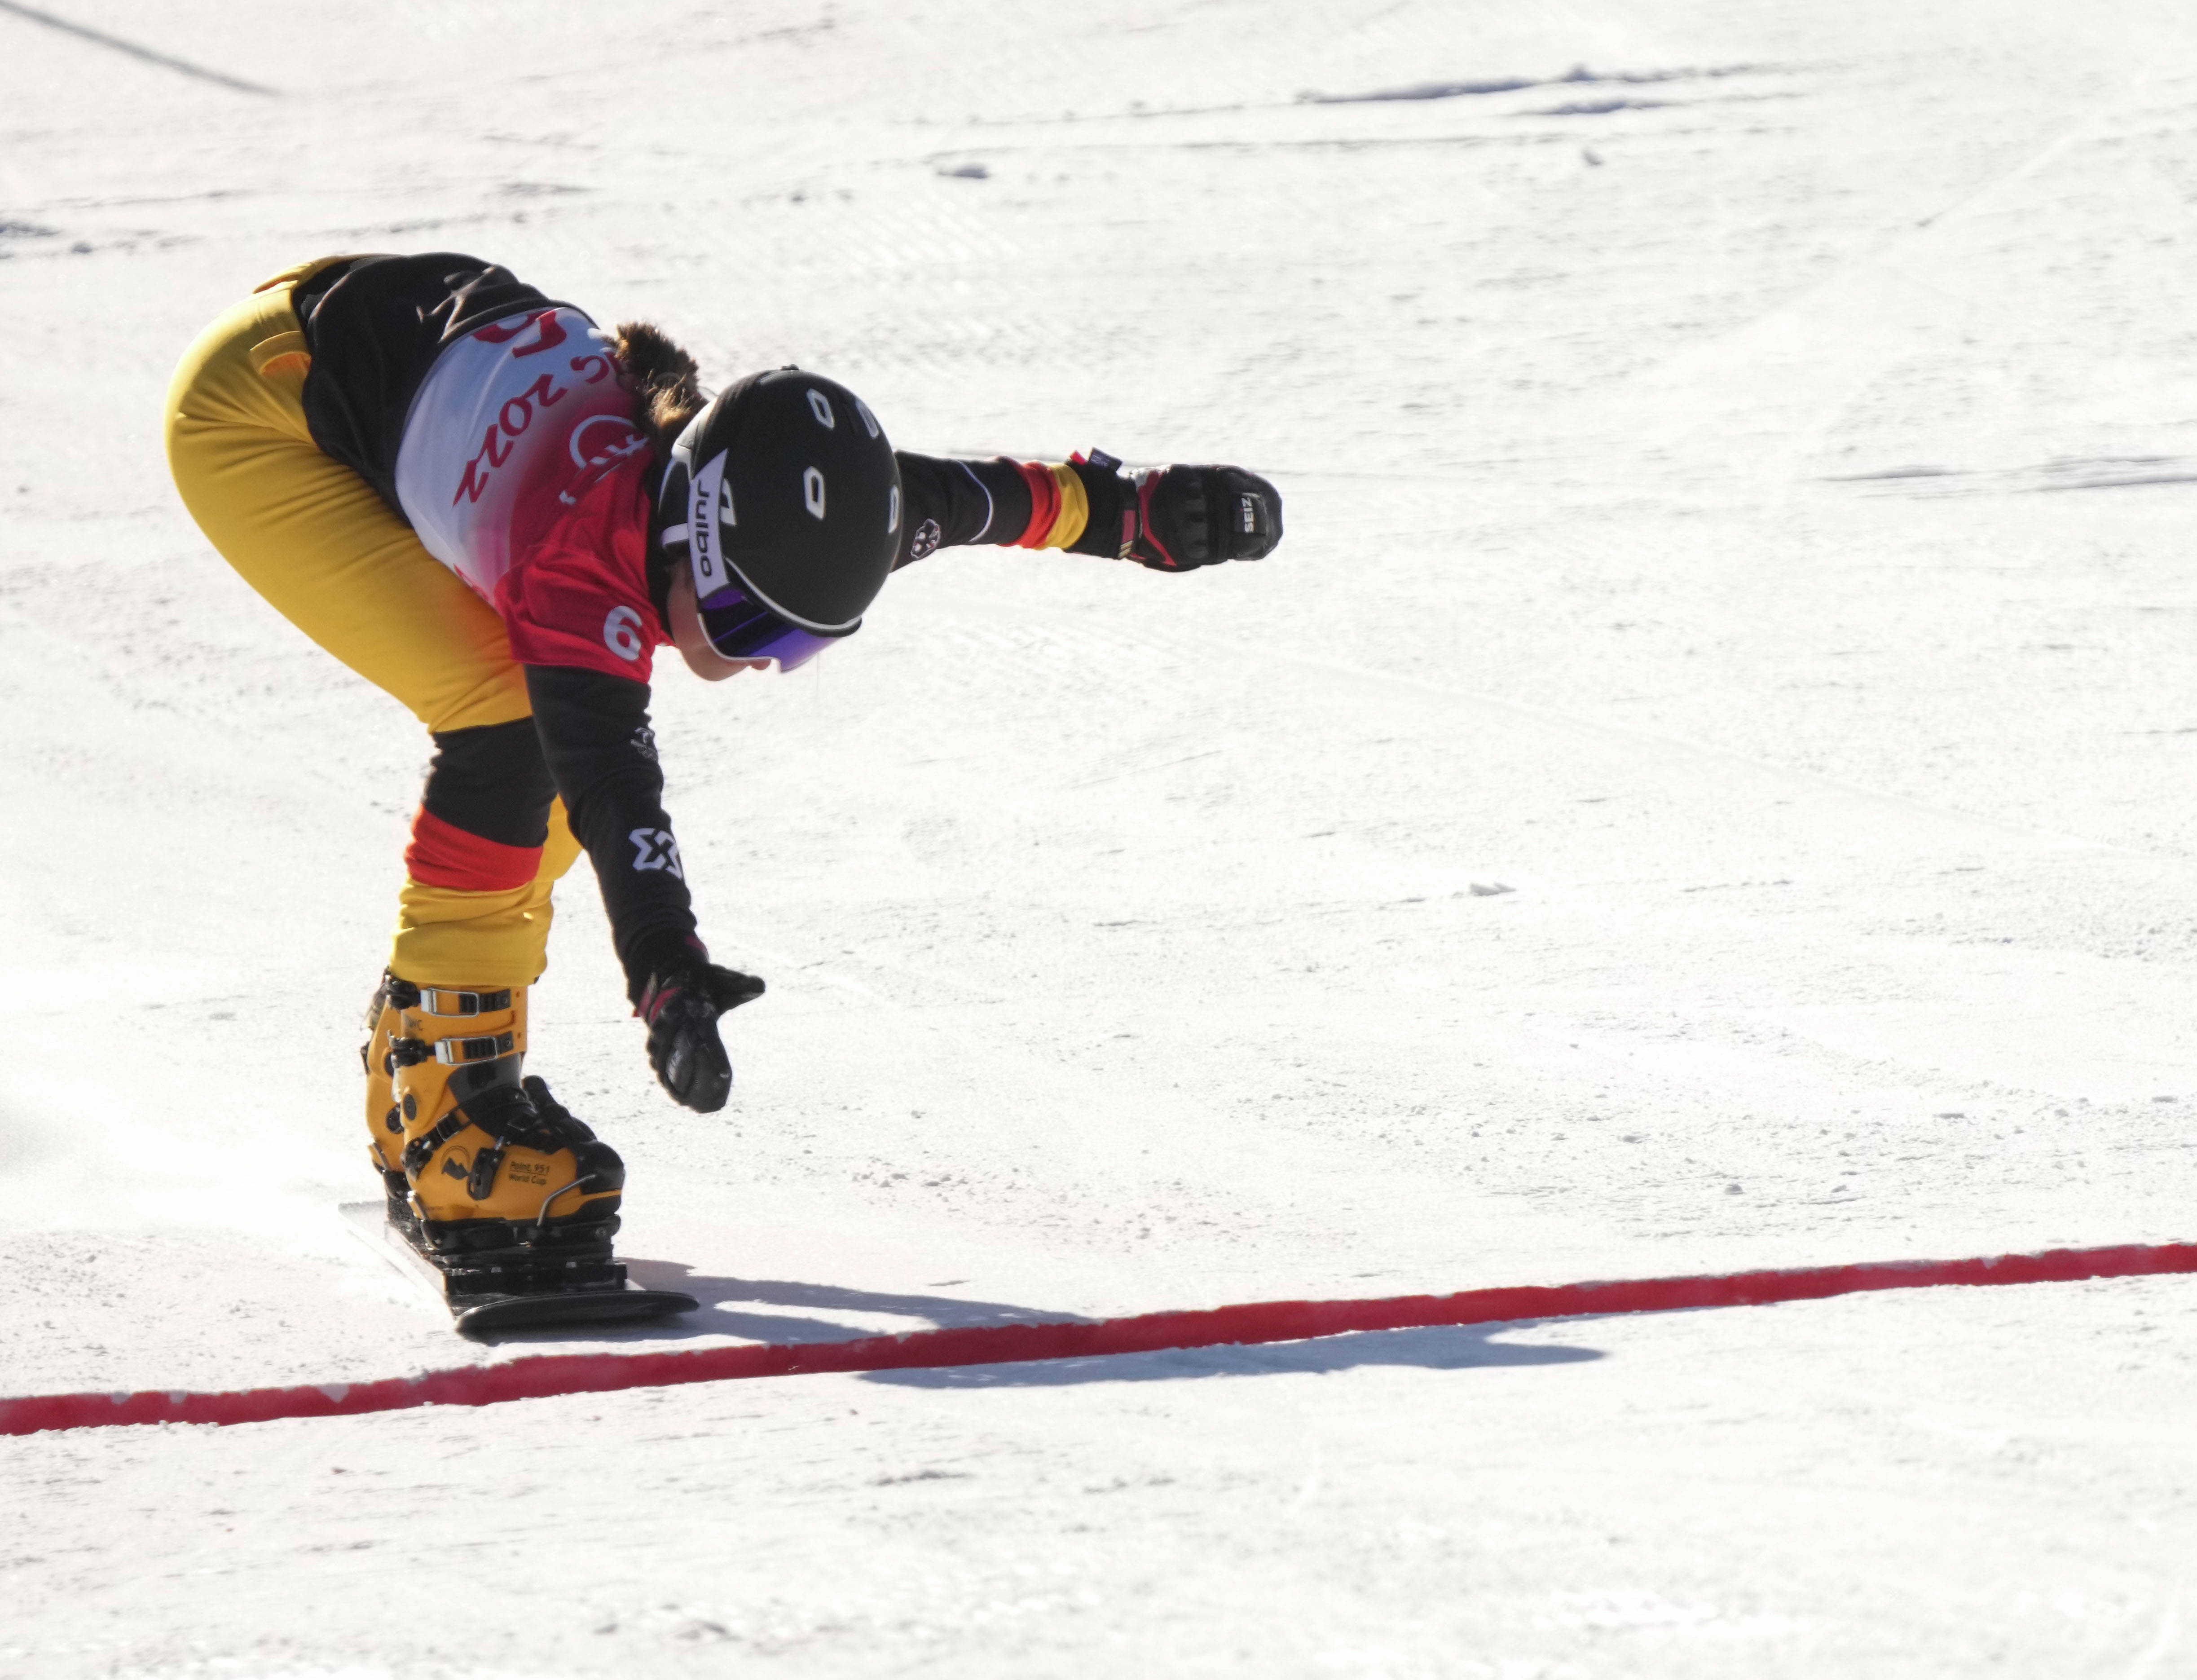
[451, 1052]
[448, 1004]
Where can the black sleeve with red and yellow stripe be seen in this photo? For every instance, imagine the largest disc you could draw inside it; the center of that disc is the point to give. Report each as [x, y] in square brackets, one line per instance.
[953, 503]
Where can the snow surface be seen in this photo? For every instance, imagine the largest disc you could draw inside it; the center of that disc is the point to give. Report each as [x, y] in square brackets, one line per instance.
[1709, 782]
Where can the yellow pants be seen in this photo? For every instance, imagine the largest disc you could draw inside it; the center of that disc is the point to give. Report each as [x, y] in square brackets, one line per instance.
[312, 537]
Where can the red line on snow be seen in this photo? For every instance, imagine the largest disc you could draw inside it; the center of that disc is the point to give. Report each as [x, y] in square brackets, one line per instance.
[1011, 1344]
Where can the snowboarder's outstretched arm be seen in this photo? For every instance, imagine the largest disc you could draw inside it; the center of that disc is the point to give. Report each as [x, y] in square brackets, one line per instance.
[595, 732]
[1170, 518]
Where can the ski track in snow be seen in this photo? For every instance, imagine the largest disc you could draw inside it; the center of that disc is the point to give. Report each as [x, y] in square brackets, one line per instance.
[1695, 792]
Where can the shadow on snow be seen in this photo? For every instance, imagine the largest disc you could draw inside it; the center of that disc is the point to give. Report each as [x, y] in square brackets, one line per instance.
[723, 1298]
[1463, 1347]
[728, 1304]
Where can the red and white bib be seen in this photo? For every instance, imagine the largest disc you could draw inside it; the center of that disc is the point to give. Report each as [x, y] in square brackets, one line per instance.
[521, 470]
[519, 417]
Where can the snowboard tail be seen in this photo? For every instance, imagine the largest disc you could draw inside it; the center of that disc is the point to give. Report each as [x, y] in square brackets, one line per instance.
[495, 1290]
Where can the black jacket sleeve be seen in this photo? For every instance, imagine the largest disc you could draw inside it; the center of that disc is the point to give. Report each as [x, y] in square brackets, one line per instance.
[949, 503]
[602, 755]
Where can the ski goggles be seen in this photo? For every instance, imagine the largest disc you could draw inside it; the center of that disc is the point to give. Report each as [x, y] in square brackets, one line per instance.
[740, 626]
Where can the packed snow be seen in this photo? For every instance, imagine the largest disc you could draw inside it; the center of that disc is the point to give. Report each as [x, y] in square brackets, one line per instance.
[1709, 782]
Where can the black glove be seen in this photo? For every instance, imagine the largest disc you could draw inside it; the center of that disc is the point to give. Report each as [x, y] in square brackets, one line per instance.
[681, 1005]
[1177, 519]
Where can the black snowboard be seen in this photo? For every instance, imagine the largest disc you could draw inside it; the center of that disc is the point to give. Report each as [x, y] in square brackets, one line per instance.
[603, 1297]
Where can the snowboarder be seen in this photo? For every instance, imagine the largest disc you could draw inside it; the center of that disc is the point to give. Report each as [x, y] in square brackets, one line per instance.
[495, 512]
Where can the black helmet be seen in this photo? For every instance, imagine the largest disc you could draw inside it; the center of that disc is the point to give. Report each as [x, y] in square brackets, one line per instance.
[785, 495]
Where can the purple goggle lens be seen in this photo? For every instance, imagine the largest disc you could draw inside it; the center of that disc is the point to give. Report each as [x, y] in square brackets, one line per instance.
[741, 627]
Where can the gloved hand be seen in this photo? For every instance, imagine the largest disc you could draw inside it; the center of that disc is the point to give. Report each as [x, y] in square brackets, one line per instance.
[1177, 519]
[1200, 516]
[680, 1005]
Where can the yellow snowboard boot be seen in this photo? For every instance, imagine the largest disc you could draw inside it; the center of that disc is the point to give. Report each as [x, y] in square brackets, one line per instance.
[496, 1172]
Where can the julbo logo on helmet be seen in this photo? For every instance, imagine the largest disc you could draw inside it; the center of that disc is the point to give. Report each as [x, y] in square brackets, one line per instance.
[789, 519]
